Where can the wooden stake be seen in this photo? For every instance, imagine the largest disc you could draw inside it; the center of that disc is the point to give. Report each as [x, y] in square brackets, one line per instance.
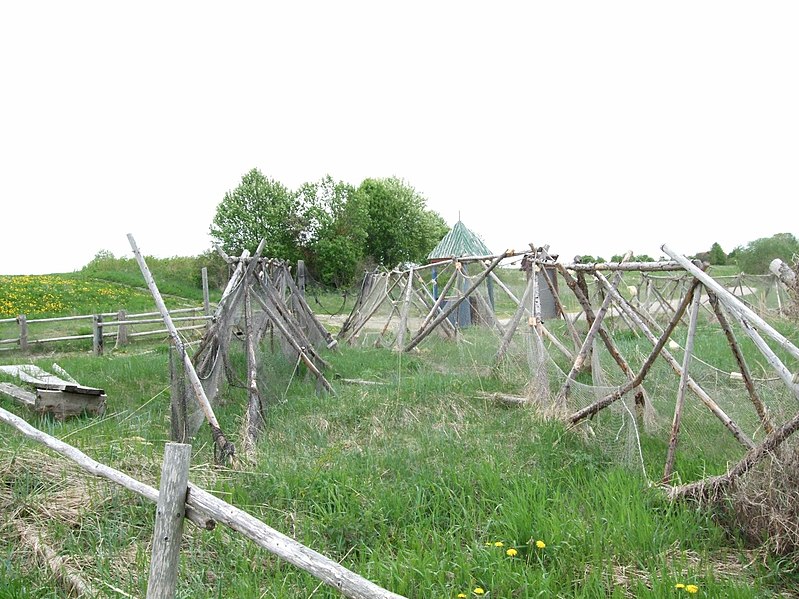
[97, 334]
[22, 321]
[169, 514]
[178, 421]
[206, 294]
[678, 407]
[122, 329]
[254, 418]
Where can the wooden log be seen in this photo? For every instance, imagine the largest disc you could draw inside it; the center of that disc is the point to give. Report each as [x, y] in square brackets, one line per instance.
[714, 487]
[206, 293]
[64, 404]
[169, 515]
[659, 344]
[22, 320]
[452, 306]
[734, 304]
[625, 266]
[671, 452]
[791, 381]
[225, 449]
[743, 367]
[301, 277]
[97, 335]
[18, 394]
[96, 468]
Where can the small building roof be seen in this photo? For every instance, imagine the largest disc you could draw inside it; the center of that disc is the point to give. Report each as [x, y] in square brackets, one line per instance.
[459, 242]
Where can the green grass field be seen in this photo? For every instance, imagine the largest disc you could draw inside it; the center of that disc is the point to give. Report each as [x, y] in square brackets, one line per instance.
[420, 484]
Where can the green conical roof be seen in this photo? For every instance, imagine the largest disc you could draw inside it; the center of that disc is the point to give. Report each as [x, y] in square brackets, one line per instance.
[459, 242]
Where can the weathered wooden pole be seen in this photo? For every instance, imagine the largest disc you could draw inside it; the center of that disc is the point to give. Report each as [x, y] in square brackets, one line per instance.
[743, 367]
[671, 453]
[226, 449]
[254, 419]
[301, 277]
[734, 304]
[22, 321]
[97, 334]
[178, 419]
[122, 329]
[206, 293]
[451, 307]
[169, 515]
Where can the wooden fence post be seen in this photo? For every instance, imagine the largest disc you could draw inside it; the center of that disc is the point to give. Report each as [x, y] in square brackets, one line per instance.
[122, 329]
[178, 418]
[169, 517]
[206, 296]
[301, 277]
[97, 340]
[22, 320]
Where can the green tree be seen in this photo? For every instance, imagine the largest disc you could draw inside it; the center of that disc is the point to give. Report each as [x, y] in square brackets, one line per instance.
[259, 208]
[717, 256]
[335, 218]
[756, 256]
[401, 228]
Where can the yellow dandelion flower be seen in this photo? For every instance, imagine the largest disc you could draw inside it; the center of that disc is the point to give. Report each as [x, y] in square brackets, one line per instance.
[461, 595]
[540, 544]
[479, 591]
[679, 585]
[511, 552]
[499, 544]
[692, 588]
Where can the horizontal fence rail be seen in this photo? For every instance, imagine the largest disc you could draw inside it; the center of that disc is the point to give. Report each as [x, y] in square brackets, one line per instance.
[119, 328]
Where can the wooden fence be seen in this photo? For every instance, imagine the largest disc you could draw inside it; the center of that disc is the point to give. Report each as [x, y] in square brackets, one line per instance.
[205, 511]
[121, 327]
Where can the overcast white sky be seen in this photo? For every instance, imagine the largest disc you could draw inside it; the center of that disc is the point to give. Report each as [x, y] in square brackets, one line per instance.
[595, 127]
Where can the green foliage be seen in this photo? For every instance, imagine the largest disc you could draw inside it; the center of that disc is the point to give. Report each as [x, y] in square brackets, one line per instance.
[756, 256]
[717, 256]
[589, 259]
[258, 208]
[335, 218]
[401, 229]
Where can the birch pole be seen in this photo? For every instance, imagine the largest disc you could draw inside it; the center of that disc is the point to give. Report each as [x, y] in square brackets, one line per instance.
[225, 448]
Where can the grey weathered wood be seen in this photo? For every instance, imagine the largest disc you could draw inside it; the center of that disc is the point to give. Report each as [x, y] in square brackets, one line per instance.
[169, 515]
[225, 447]
[331, 342]
[206, 293]
[22, 320]
[94, 467]
[452, 306]
[671, 452]
[254, 420]
[204, 509]
[122, 331]
[64, 404]
[178, 416]
[626, 266]
[301, 277]
[23, 396]
[734, 304]
[97, 335]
